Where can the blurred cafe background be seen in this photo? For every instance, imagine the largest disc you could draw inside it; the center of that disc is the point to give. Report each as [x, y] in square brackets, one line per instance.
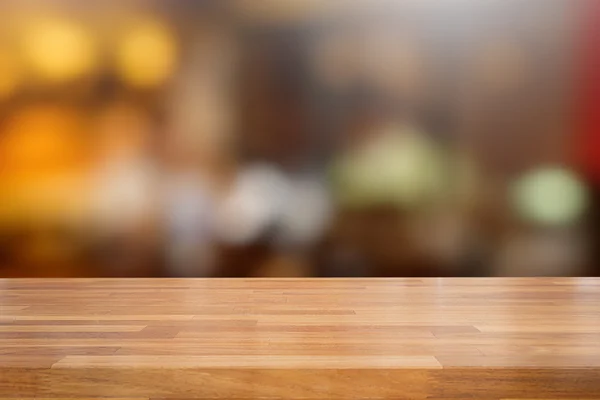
[330, 138]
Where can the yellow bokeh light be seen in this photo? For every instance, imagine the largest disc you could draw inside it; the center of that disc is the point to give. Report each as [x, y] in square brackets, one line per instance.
[58, 50]
[146, 54]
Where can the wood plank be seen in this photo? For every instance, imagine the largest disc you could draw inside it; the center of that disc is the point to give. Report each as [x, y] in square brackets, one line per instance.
[249, 362]
[458, 338]
[71, 328]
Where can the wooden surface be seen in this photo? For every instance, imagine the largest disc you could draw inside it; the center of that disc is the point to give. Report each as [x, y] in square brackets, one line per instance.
[525, 338]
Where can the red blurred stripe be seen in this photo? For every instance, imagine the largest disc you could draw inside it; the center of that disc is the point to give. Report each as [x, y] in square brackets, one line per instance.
[589, 149]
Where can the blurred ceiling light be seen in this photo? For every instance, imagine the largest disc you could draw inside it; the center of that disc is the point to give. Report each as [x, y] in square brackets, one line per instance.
[146, 54]
[550, 196]
[58, 50]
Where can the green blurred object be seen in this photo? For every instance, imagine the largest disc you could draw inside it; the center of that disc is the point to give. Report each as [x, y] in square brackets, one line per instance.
[399, 166]
[550, 196]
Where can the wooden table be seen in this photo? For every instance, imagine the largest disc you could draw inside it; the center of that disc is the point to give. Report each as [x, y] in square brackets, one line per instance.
[300, 338]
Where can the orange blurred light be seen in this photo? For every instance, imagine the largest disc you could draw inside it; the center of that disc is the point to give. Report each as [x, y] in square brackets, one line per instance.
[42, 160]
[41, 141]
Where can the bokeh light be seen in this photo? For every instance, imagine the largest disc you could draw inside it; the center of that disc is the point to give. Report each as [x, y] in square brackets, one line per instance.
[42, 157]
[401, 166]
[550, 196]
[146, 55]
[58, 49]
[40, 141]
[255, 202]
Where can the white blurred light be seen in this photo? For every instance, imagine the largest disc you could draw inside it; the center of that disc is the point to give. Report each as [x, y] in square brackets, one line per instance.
[306, 213]
[123, 192]
[256, 201]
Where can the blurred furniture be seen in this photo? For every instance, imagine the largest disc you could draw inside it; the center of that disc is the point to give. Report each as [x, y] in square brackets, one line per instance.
[300, 338]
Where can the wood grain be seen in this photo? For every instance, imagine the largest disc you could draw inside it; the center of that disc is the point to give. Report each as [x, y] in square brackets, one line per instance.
[527, 338]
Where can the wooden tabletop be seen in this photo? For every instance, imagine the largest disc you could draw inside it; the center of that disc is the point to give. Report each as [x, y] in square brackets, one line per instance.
[300, 338]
